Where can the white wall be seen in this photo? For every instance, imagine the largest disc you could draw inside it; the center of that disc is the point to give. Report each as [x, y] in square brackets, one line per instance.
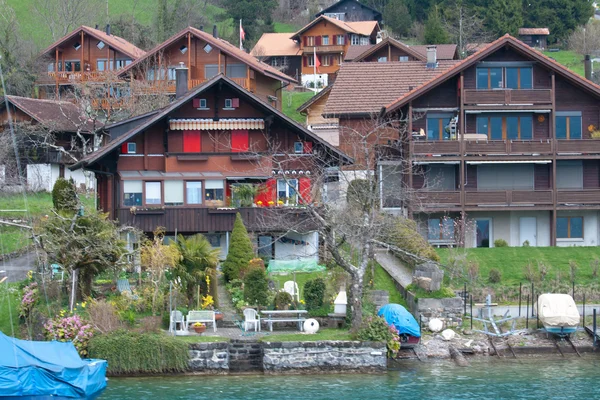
[590, 228]
[289, 251]
[321, 79]
[43, 176]
[506, 225]
[81, 179]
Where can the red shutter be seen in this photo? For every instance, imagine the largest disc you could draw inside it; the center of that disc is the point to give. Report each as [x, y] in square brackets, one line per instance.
[305, 61]
[304, 188]
[305, 38]
[196, 103]
[239, 140]
[124, 148]
[267, 192]
[318, 41]
[235, 102]
[191, 142]
[307, 147]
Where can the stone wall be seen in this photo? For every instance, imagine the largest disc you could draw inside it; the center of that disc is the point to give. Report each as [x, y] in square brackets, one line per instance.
[209, 358]
[330, 356]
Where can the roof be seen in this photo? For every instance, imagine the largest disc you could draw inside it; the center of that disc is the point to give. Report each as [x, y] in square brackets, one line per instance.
[58, 116]
[222, 45]
[534, 31]
[364, 88]
[355, 51]
[392, 42]
[116, 42]
[325, 10]
[505, 40]
[444, 51]
[316, 97]
[275, 44]
[364, 28]
[115, 143]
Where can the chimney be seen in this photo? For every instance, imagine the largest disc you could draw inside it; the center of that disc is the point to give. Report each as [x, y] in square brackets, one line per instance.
[96, 26]
[215, 33]
[181, 80]
[588, 67]
[108, 29]
[379, 38]
[201, 27]
[431, 56]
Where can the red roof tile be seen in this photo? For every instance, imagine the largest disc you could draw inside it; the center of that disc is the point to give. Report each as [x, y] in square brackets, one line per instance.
[444, 51]
[534, 31]
[355, 51]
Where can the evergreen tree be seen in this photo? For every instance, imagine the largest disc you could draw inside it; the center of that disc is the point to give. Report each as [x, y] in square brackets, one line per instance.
[64, 196]
[435, 33]
[240, 251]
[560, 16]
[397, 17]
[504, 16]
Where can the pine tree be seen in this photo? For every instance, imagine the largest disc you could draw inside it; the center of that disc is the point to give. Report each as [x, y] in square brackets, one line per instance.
[397, 17]
[505, 16]
[240, 251]
[435, 33]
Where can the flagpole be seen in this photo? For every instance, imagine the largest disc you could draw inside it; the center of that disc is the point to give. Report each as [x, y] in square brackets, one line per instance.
[241, 47]
[315, 67]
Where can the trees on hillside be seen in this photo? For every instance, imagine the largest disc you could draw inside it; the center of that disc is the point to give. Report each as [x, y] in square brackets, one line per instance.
[397, 17]
[504, 16]
[258, 15]
[560, 16]
[435, 33]
[466, 27]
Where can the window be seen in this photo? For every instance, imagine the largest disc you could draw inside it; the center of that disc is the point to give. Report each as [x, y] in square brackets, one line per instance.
[131, 148]
[354, 40]
[325, 40]
[504, 77]
[192, 142]
[72, 66]
[121, 63]
[403, 58]
[298, 147]
[132, 193]
[519, 78]
[236, 71]
[286, 191]
[228, 103]
[193, 192]
[568, 125]
[489, 78]
[326, 61]
[436, 126]
[514, 127]
[239, 140]
[391, 177]
[569, 174]
[207, 48]
[310, 40]
[173, 193]
[569, 227]
[100, 45]
[200, 104]
[505, 177]
[77, 46]
[382, 59]
[183, 49]
[340, 59]
[214, 240]
[364, 40]
[214, 190]
[441, 177]
[340, 40]
[102, 65]
[310, 60]
[153, 193]
[210, 70]
[440, 229]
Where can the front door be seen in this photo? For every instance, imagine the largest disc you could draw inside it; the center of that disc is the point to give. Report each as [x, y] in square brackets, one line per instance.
[483, 235]
[528, 230]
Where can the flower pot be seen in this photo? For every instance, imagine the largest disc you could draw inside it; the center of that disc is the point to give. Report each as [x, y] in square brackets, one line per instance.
[218, 316]
[199, 329]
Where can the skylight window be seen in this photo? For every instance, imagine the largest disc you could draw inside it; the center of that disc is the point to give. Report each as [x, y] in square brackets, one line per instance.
[207, 48]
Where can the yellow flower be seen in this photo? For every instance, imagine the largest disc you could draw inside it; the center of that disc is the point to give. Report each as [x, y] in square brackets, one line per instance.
[302, 301]
[29, 275]
[207, 280]
[83, 304]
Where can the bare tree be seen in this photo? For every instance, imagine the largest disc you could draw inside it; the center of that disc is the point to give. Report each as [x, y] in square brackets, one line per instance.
[586, 39]
[466, 27]
[62, 16]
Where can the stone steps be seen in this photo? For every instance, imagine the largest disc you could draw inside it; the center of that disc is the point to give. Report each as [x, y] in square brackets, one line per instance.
[245, 356]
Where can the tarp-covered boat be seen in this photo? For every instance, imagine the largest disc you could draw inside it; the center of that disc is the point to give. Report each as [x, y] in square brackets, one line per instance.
[36, 370]
[558, 313]
[407, 326]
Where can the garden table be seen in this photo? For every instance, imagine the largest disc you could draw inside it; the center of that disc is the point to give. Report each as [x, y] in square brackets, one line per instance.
[284, 316]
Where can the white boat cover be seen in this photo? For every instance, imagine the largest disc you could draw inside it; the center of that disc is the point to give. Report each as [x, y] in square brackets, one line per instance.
[558, 310]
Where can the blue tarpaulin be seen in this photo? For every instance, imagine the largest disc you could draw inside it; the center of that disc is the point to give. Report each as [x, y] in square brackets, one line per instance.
[29, 368]
[399, 317]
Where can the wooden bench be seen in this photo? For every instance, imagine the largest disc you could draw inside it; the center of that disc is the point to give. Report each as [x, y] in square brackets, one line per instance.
[201, 316]
[286, 316]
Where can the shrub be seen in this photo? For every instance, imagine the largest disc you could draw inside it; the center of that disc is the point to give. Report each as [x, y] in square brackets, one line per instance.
[542, 269]
[573, 267]
[405, 235]
[103, 316]
[282, 300]
[70, 329]
[456, 263]
[64, 195]
[500, 243]
[495, 276]
[473, 270]
[526, 243]
[240, 251]
[528, 272]
[137, 353]
[374, 329]
[253, 264]
[594, 265]
[314, 293]
[256, 287]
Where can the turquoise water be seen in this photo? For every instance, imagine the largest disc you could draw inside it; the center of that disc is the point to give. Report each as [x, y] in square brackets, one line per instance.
[497, 379]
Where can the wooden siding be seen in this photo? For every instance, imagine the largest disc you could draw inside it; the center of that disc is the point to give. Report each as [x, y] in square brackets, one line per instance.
[445, 96]
[508, 96]
[314, 114]
[541, 176]
[591, 174]
[390, 52]
[320, 29]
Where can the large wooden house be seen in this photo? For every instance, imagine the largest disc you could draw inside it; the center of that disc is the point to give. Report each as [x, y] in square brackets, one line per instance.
[205, 55]
[84, 55]
[507, 138]
[179, 168]
[351, 10]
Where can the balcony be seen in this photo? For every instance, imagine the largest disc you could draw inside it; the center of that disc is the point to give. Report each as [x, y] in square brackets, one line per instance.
[578, 146]
[510, 147]
[508, 198]
[70, 77]
[435, 147]
[168, 86]
[508, 97]
[323, 49]
[578, 197]
[436, 199]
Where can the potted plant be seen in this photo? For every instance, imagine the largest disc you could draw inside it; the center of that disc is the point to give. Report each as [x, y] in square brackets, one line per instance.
[199, 327]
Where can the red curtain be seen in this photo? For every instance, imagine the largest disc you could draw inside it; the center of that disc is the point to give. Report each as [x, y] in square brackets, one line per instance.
[124, 148]
[192, 142]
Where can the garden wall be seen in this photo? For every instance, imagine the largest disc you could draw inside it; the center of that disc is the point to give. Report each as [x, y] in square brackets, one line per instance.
[449, 310]
[209, 358]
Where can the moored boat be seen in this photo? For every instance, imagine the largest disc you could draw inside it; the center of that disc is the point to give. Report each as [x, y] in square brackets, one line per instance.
[558, 313]
[407, 326]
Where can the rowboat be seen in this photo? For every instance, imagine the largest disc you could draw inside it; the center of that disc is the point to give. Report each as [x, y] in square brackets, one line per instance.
[558, 313]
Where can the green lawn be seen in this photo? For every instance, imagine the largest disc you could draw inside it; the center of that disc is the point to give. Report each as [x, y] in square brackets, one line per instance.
[281, 27]
[9, 303]
[301, 279]
[323, 334]
[383, 281]
[512, 260]
[291, 102]
[569, 59]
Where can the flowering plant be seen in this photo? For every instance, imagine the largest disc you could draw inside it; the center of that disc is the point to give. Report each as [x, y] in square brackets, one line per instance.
[31, 294]
[393, 344]
[198, 325]
[260, 203]
[280, 202]
[271, 202]
[70, 329]
[207, 302]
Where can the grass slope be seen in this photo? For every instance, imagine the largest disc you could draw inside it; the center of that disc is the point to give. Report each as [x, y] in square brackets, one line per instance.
[512, 260]
[9, 304]
[282, 27]
[569, 59]
[383, 281]
[291, 102]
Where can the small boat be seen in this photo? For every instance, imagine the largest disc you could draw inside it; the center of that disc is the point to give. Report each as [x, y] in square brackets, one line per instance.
[44, 370]
[558, 313]
[408, 328]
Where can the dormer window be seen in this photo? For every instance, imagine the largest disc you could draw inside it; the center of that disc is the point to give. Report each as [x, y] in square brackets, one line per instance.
[77, 46]
[100, 45]
[207, 48]
[183, 49]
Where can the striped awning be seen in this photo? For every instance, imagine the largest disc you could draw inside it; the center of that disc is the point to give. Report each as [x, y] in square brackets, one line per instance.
[210, 124]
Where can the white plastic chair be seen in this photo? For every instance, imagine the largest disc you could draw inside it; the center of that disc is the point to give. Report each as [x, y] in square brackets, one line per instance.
[176, 318]
[292, 288]
[251, 317]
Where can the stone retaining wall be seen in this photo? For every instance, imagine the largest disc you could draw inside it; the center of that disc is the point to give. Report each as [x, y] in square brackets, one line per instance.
[209, 358]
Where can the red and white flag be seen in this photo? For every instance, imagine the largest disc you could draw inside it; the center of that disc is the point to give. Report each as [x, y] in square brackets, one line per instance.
[317, 63]
[242, 34]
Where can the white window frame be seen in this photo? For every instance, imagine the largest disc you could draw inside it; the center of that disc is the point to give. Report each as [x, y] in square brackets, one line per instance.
[203, 104]
[310, 60]
[131, 148]
[200, 196]
[340, 40]
[174, 188]
[299, 147]
[228, 104]
[146, 190]
[288, 191]
[403, 58]
[382, 59]
[354, 40]
[325, 38]
[326, 60]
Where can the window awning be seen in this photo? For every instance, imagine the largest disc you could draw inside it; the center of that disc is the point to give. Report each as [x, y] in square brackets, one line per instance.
[509, 111]
[159, 175]
[435, 162]
[210, 124]
[510, 162]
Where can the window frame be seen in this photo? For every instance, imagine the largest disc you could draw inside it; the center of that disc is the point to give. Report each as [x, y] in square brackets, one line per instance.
[129, 148]
[325, 60]
[230, 106]
[403, 58]
[183, 193]
[340, 40]
[123, 193]
[569, 237]
[310, 60]
[442, 237]
[503, 76]
[325, 38]
[206, 190]
[440, 117]
[568, 115]
[504, 125]
[200, 196]
[310, 41]
[145, 195]
[288, 191]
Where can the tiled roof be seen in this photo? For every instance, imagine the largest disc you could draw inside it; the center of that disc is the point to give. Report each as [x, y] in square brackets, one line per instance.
[365, 28]
[392, 42]
[57, 116]
[220, 44]
[444, 51]
[275, 44]
[355, 51]
[534, 31]
[364, 88]
[113, 41]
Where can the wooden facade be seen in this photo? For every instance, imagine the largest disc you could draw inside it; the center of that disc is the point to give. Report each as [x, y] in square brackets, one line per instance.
[351, 10]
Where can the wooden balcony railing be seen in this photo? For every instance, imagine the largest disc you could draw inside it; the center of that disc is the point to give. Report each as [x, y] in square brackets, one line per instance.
[581, 196]
[432, 199]
[323, 49]
[442, 147]
[483, 147]
[508, 197]
[508, 96]
[168, 86]
[584, 146]
[65, 77]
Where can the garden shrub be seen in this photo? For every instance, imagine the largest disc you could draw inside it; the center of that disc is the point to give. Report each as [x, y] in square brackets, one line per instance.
[64, 195]
[240, 251]
[140, 353]
[103, 316]
[256, 287]
[359, 194]
[494, 276]
[594, 265]
[473, 270]
[282, 300]
[528, 272]
[500, 243]
[573, 267]
[405, 235]
[375, 329]
[314, 293]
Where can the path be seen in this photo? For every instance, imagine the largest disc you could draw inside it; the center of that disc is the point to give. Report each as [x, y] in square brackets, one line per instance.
[17, 268]
[225, 304]
[396, 268]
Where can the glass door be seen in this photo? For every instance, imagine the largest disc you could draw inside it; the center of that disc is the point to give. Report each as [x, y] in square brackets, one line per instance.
[483, 234]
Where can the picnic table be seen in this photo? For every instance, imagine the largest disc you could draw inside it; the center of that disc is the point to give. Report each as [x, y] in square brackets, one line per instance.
[284, 316]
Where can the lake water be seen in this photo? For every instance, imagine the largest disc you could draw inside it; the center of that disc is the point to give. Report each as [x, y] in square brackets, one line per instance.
[491, 379]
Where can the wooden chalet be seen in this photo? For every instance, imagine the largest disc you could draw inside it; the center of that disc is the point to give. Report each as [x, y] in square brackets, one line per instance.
[351, 10]
[86, 54]
[390, 49]
[281, 52]
[179, 167]
[535, 37]
[510, 139]
[206, 55]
